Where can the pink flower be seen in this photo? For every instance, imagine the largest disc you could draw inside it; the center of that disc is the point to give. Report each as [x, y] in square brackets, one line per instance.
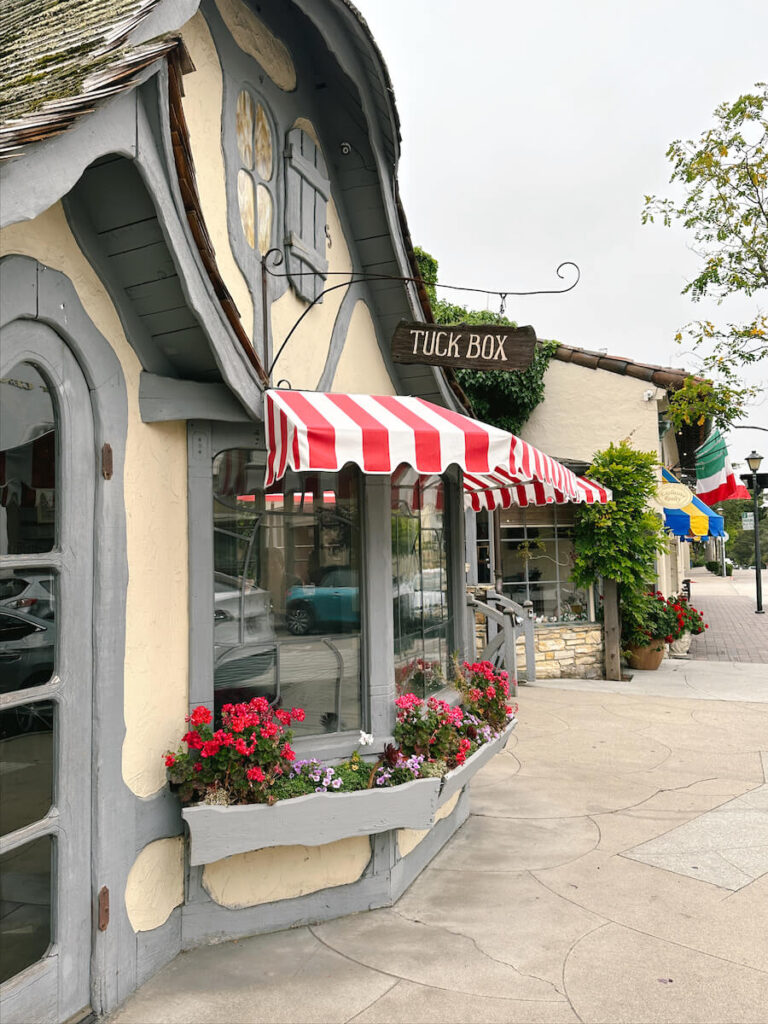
[287, 752]
[297, 714]
[255, 774]
[201, 716]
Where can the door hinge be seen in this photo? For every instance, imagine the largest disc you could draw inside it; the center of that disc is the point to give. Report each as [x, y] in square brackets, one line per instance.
[106, 461]
[103, 908]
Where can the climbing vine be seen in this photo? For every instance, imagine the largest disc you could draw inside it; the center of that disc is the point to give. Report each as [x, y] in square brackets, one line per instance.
[499, 397]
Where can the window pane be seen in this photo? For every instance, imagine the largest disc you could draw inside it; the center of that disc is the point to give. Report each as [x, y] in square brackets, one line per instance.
[25, 905]
[26, 764]
[27, 463]
[287, 591]
[27, 630]
[421, 608]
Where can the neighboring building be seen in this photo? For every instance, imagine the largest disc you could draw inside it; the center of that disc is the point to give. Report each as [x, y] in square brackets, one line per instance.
[153, 156]
[590, 400]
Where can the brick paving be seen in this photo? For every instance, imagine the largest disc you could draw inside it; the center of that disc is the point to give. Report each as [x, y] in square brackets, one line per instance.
[735, 632]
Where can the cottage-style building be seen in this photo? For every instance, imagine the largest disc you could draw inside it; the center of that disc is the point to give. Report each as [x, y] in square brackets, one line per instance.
[591, 400]
[204, 257]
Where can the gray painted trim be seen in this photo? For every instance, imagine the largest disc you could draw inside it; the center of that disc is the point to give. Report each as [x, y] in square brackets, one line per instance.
[339, 335]
[379, 631]
[209, 922]
[168, 16]
[201, 597]
[470, 545]
[156, 948]
[158, 174]
[168, 398]
[150, 356]
[460, 777]
[312, 820]
[407, 869]
[123, 126]
[29, 290]
[27, 185]
[68, 821]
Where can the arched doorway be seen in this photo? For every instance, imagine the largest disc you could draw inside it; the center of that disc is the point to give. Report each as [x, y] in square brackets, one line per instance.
[47, 478]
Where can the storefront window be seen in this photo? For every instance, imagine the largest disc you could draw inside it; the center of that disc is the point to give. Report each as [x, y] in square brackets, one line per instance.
[287, 591]
[536, 562]
[422, 618]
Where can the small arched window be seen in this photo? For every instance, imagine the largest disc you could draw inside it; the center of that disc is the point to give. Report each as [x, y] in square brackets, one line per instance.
[256, 175]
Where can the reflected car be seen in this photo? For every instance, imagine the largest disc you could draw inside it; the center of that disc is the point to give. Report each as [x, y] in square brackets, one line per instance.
[334, 603]
[244, 641]
[31, 594]
[27, 648]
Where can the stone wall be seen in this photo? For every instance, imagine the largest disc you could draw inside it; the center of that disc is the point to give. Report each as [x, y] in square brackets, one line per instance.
[566, 650]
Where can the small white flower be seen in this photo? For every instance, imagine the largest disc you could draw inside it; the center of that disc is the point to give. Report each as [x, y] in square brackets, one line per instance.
[366, 739]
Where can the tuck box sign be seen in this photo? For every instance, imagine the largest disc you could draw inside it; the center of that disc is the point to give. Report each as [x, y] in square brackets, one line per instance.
[473, 346]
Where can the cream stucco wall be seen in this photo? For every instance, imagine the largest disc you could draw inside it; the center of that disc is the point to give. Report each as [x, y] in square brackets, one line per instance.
[155, 884]
[361, 368]
[303, 359]
[203, 104]
[155, 481]
[409, 838]
[585, 410]
[284, 872]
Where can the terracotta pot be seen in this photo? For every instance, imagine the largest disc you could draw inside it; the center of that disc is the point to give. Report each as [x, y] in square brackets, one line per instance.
[649, 657]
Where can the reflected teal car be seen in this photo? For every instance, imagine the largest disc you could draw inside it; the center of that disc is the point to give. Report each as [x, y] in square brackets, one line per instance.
[334, 604]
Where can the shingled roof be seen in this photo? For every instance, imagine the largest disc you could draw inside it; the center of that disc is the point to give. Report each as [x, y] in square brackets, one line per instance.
[668, 377]
[59, 57]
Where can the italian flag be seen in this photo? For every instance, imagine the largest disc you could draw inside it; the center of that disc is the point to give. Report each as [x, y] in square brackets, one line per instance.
[715, 480]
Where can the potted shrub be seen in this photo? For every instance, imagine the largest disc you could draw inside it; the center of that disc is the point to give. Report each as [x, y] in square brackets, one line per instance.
[649, 623]
[692, 624]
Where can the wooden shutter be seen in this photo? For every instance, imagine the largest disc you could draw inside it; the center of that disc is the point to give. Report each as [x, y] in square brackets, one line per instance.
[306, 197]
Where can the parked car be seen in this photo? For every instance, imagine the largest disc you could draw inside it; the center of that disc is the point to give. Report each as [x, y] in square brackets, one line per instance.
[333, 603]
[31, 593]
[27, 649]
[244, 640]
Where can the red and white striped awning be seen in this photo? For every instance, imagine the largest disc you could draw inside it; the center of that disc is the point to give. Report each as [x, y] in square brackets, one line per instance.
[535, 493]
[308, 430]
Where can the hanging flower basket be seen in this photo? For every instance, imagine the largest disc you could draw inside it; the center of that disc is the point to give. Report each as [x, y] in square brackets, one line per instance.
[313, 820]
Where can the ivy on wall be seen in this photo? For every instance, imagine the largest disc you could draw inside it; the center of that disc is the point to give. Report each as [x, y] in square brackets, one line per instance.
[498, 397]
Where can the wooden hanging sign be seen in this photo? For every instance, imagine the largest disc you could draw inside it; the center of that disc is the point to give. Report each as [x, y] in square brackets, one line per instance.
[472, 346]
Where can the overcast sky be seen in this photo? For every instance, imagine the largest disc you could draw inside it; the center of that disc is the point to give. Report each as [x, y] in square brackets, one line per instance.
[531, 133]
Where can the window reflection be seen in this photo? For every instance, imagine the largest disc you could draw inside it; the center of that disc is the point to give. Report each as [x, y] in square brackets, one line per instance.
[537, 556]
[420, 597]
[25, 905]
[27, 463]
[287, 591]
[27, 631]
[26, 764]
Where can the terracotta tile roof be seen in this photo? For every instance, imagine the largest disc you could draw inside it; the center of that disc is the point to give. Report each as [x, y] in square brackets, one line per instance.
[59, 57]
[668, 377]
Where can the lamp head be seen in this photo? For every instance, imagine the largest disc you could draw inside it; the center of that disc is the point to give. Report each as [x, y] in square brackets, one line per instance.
[753, 461]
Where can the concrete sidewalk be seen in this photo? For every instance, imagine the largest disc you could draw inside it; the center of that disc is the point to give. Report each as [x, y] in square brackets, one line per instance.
[613, 869]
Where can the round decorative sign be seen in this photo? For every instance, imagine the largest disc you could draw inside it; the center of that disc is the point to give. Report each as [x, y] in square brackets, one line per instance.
[673, 495]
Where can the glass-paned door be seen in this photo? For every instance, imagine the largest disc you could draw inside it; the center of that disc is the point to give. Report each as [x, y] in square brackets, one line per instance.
[46, 515]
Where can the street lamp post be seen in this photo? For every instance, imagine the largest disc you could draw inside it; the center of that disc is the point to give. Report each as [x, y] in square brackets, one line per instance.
[721, 512]
[753, 461]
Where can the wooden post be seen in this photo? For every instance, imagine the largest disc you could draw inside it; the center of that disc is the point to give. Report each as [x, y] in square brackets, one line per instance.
[498, 571]
[612, 629]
